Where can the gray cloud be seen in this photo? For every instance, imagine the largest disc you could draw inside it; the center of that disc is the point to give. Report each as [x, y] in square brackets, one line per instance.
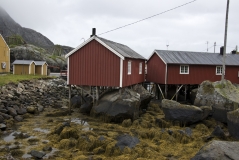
[187, 28]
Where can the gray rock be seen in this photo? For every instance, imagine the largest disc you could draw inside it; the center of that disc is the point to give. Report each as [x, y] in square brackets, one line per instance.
[19, 90]
[221, 97]
[3, 110]
[47, 148]
[145, 96]
[86, 107]
[5, 116]
[218, 150]
[21, 111]
[188, 131]
[175, 111]
[18, 118]
[31, 109]
[126, 141]
[116, 107]
[37, 154]
[233, 123]
[76, 101]
[207, 110]
[2, 126]
[218, 132]
[1, 119]
[193, 95]
[12, 111]
[20, 85]
[40, 107]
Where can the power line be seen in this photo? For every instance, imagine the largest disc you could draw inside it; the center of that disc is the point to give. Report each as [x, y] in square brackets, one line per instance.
[207, 49]
[148, 17]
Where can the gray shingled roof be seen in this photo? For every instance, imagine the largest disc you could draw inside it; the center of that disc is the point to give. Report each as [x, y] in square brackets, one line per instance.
[39, 63]
[23, 62]
[122, 49]
[199, 58]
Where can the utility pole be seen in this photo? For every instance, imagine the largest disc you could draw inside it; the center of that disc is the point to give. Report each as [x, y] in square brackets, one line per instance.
[215, 46]
[225, 43]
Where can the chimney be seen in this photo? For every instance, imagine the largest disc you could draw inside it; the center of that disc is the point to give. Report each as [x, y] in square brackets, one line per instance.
[93, 32]
[221, 50]
[234, 52]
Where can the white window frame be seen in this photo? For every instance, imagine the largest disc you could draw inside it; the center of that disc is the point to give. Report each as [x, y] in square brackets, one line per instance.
[140, 67]
[129, 67]
[182, 69]
[218, 67]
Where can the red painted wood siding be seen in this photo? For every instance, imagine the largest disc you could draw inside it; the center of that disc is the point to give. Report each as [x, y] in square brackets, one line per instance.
[134, 77]
[156, 70]
[94, 65]
[199, 73]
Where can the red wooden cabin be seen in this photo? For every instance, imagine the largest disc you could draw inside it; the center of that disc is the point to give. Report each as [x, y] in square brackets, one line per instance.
[100, 62]
[180, 67]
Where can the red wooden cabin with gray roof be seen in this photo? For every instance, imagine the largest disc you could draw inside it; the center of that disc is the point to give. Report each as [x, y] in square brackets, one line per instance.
[101, 62]
[190, 68]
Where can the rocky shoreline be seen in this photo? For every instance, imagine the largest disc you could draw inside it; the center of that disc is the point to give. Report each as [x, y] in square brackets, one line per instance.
[35, 124]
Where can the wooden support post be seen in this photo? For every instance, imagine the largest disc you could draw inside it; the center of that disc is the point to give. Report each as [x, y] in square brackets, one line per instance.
[165, 90]
[81, 96]
[97, 93]
[176, 93]
[185, 92]
[161, 91]
[69, 99]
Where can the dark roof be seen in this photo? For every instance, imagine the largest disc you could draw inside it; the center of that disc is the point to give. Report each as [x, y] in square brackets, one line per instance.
[39, 63]
[23, 62]
[199, 58]
[124, 50]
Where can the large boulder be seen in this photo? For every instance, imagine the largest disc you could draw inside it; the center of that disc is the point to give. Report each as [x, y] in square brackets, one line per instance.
[222, 97]
[233, 123]
[218, 150]
[145, 96]
[193, 95]
[117, 106]
[188, 114]
[126, 141]
[76, 101]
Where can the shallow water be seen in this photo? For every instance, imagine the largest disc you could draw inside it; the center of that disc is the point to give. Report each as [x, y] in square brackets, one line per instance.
[41, 130]
[10, 137]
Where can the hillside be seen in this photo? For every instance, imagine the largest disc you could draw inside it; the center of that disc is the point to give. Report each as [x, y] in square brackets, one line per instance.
[29, 44]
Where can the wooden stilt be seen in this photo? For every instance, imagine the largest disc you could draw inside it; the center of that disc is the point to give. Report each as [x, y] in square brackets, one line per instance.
[165, 90]
[185, 93]
[81, 96]
[96, 93]
[176, 93]
[161, 91]
[69, 99]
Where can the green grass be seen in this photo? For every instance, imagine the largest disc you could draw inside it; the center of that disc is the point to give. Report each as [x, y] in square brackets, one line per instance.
[7, 78]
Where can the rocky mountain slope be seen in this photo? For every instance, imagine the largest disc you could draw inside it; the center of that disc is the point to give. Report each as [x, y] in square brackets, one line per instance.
[9, 27]
[28, 44]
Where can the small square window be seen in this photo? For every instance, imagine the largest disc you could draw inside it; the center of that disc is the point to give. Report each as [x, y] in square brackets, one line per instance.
[129, 67]
[140, 68]
[218, 70]
[184, 69]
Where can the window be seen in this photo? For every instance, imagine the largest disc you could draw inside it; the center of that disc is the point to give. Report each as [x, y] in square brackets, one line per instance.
[140, 68]
[184, 69]
[129, 67]
[218, 70]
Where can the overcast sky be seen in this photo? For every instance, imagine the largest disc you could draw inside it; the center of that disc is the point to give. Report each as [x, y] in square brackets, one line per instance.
[186, 29]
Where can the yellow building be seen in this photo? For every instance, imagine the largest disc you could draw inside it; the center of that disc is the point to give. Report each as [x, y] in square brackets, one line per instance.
[41, 68]
[4, 56]
[23, 67]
